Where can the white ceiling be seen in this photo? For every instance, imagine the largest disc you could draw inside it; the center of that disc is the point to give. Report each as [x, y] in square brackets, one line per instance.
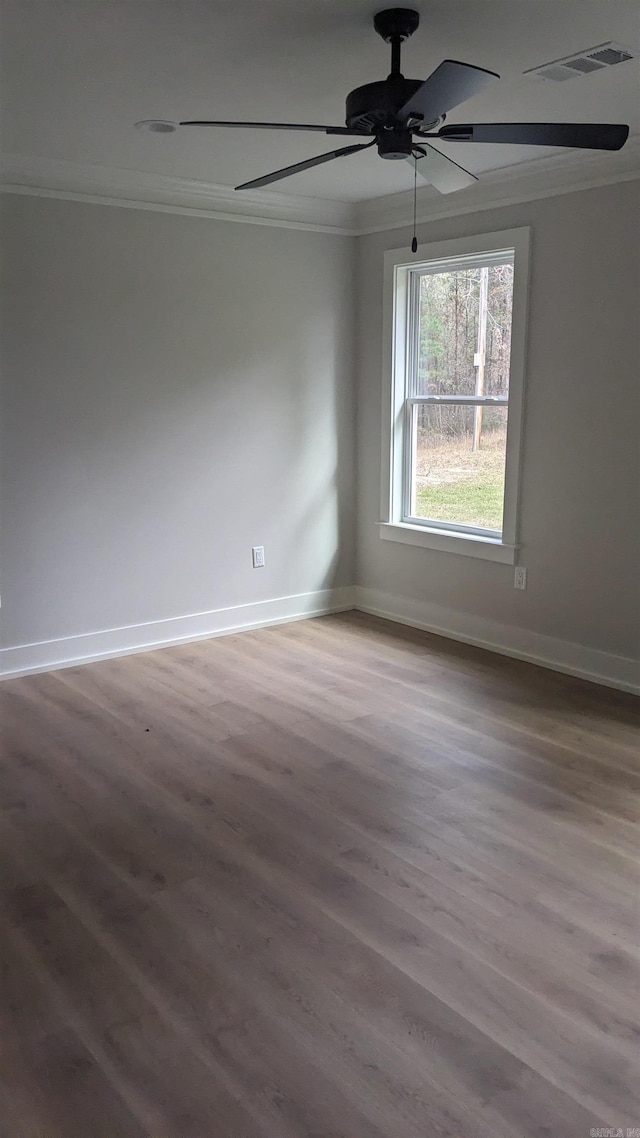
[77, 74]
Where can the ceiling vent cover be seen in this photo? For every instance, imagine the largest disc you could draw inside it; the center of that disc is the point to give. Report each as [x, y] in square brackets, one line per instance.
[583, 62]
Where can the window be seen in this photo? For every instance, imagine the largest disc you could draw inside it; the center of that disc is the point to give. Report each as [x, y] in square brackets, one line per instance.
[455, 316]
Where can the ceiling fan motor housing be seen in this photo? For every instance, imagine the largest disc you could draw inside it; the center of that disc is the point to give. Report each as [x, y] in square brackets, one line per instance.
[376, 105]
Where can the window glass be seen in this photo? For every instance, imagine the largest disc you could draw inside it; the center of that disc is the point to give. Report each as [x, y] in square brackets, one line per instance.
[464, 320]
[458, 464]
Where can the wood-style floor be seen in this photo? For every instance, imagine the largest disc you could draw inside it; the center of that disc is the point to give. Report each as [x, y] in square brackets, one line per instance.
[336, 879]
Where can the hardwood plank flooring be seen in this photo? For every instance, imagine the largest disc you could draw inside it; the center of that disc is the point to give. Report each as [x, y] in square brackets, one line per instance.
[335, 879]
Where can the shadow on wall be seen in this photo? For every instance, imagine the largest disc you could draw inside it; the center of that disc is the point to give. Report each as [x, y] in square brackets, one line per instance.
[320, 524]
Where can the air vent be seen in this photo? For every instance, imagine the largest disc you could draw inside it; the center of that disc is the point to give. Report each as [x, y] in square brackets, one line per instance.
[583, 62]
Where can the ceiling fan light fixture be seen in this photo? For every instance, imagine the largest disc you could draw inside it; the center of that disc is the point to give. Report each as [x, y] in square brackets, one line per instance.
[157, 126]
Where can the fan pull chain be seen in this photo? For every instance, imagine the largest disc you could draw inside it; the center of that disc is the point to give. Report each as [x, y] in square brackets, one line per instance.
[414, 243]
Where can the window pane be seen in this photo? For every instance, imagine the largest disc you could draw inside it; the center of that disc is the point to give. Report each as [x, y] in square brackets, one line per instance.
[464, 332]
[451, 480]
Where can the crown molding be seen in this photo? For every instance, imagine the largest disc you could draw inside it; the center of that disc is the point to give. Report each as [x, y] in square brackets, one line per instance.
[544, 177]
[53, 177]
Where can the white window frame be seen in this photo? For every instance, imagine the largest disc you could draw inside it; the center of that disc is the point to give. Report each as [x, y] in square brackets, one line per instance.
[398, 265]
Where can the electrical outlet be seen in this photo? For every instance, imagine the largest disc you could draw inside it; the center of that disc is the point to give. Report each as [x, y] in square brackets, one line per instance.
[520, 577]
[257, 554]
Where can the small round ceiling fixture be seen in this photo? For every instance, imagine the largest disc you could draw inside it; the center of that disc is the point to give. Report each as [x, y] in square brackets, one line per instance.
[157, 126]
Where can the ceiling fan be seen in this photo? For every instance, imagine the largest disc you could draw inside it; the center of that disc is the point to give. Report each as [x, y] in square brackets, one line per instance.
[399, 115]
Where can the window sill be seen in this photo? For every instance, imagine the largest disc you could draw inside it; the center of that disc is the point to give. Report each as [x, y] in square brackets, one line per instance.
[469, 545]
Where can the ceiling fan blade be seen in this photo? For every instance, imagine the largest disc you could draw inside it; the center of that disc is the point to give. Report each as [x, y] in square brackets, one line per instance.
[441, 172]
[589, 136]
[277, 126]
[287, 171]
[450, 84]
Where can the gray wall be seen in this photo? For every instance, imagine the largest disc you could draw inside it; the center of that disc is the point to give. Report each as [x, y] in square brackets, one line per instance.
[179, 389]
[176, 390]
[580, 515]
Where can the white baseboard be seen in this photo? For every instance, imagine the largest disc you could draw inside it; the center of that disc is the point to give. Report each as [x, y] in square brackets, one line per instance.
[559, 655]
[50, 655]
